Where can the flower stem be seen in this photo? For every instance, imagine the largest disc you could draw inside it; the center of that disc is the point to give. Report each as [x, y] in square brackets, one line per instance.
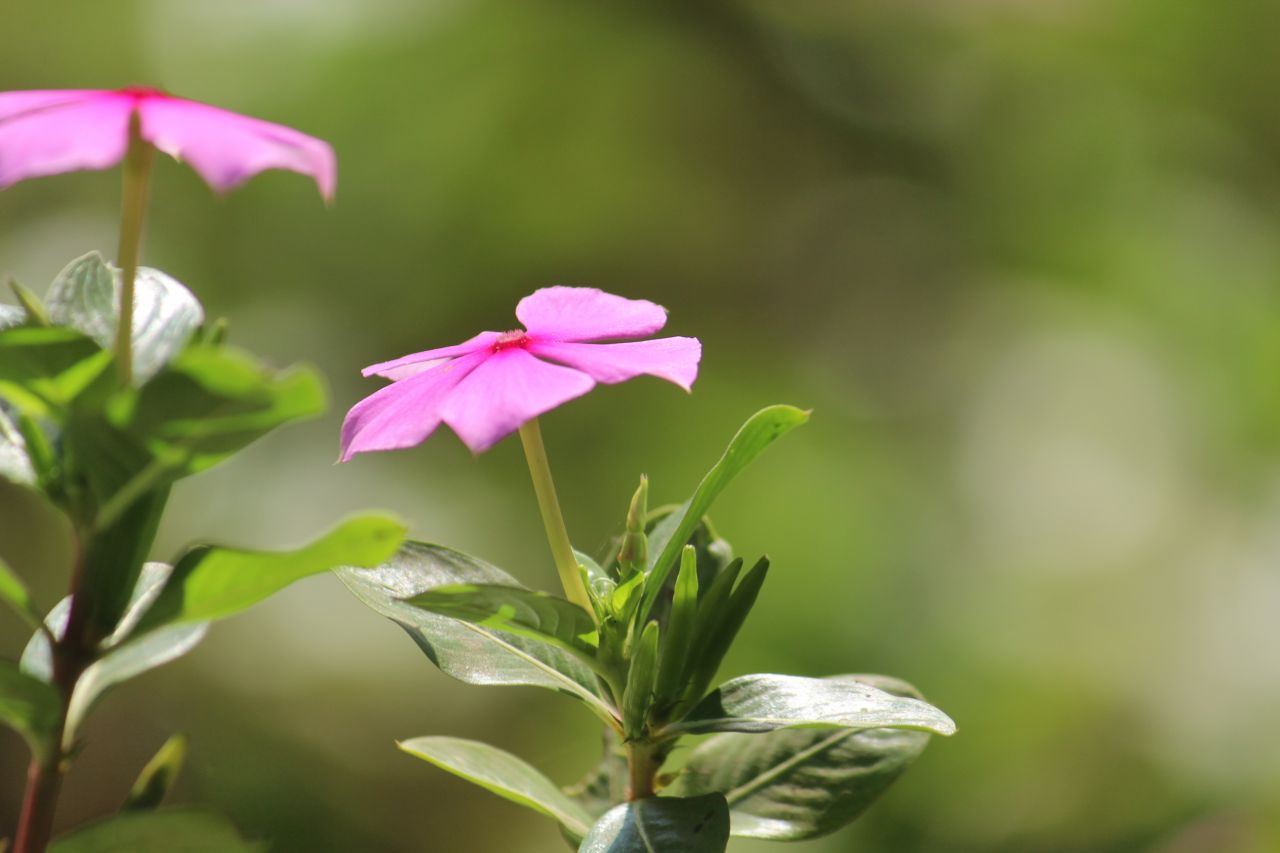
[133, 209]
[552, 519]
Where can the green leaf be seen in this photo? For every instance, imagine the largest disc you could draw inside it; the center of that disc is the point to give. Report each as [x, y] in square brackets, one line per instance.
[212, 582]
[661, 825]
[15, 462]
[640, 676]
[165, 831]
[30, 707]
[121, 658]
[158, 776]
[762, 703]
[502, 773]
[31, 310]
[714, 635]
[210, 402]
[13, 592]
[535, 615]
[794, 784]
[464, 650]
[85, 296]
[43, 369]
[760, 430]
[680, 625]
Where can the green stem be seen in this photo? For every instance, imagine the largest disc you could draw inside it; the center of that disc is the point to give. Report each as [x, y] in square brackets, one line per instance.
[552, 519]
[643, 764]
[133, 210]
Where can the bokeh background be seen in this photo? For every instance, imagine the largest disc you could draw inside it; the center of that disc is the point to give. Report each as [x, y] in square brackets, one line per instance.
[1021, 257]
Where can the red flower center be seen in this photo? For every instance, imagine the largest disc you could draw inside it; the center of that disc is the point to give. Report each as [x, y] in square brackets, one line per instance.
[511, 340]
[139, 93]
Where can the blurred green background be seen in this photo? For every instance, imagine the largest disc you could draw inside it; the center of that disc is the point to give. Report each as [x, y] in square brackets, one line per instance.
[1021, 257]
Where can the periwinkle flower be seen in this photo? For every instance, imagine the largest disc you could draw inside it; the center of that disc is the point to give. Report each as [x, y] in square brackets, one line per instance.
[489, 386]
[53, 131]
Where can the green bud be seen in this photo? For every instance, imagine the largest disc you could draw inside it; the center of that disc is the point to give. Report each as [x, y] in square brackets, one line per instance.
[633, 554]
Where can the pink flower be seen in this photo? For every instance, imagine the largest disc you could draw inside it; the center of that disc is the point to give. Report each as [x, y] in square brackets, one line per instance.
[487, 387]
[49, 132]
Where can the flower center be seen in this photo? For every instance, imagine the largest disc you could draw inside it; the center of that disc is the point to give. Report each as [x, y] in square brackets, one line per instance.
[139, 93]
[511, 340]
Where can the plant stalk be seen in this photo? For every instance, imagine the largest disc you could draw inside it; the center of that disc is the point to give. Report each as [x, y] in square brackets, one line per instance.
[71, 657]
[552, 519]
[643, 764]
[133, 209]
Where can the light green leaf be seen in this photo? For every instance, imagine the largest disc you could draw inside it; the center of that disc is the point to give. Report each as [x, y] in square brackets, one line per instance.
[760, 430]
[164, 831]
[85, 296]
[13, 592]
[662, 825]
[43, 369]
[30, 707]
[762, 703]
[212, 582]
[469, 652]
[793, 784]
[158, 776]
[535, 615]
[641, 673]
[502, 773]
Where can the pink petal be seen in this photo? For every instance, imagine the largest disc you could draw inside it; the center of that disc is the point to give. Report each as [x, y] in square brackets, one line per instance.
[587, 314]
[403, 413]
[508, 389]
[673, 359]
[49, 132]
[411, 364]
[226, 148]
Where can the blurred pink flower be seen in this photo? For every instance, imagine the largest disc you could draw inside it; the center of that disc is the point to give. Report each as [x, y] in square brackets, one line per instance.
[49, 132]
[487, 387]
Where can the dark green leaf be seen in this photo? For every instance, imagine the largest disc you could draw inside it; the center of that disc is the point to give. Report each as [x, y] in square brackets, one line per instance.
[502, 773]
[680, 625]
[713, 637]
[155, 780]
[640, 676]
[469, 652]
[212, 582]
[761, 703]
[535, 615]
[760, 430]
[85, 296]
[794, 784]
[662, 825]
[30, 707]
[165, 831]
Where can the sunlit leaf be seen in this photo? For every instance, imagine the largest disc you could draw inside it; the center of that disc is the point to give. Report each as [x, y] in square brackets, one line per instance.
[467, 651]
[761, 703]
[502, 773]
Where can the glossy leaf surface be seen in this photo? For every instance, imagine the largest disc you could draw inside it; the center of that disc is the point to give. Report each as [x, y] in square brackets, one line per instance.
[662, 825]
[502, 773]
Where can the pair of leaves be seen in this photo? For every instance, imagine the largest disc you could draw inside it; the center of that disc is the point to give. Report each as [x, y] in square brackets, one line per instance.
[698, 824]
[472, 652]
[793, 784]
[170, 608]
